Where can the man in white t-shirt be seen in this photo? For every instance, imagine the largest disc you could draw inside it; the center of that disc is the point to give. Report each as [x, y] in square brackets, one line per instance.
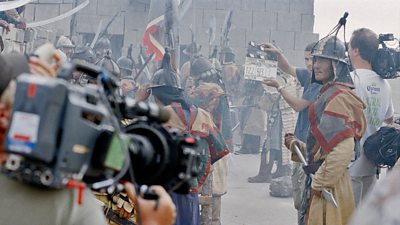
[376, 94]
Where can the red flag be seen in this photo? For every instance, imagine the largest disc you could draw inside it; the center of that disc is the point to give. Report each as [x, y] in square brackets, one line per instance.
[153, 38]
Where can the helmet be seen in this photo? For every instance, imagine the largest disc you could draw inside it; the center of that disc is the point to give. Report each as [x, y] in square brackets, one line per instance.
[229, 55]
[201, 67]
[103, 43]
[125, 63]
[333, 48]
[108, 64]
[165, 76]
[84, 53]
[64, 42]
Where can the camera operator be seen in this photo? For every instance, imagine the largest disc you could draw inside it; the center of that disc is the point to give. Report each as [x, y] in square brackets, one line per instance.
[376, 94]
[56, 206]
[189, 119]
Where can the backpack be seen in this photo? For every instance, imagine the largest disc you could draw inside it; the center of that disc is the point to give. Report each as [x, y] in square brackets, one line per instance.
[383, 147]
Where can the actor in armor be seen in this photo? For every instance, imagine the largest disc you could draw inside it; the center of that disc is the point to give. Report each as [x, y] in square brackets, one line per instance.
[187, 117]
[231, 75]
[102, 48]
[65, 45]
[83, 55]
[280, 120]
[128, 85]
[192, 51]
[253, 112]
[337, 124]
[208, 93]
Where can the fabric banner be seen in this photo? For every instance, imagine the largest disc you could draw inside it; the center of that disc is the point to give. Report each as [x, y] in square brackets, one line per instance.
[59, 17]
[4, 6]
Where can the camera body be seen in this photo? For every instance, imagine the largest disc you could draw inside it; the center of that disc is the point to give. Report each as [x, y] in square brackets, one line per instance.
[387, 60]
[61, 132]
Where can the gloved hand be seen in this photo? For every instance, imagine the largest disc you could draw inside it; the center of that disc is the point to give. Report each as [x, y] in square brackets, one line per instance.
[312, 168]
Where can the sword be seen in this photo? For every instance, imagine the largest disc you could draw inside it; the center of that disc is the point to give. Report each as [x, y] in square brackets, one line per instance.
[326, 194]
[96, 36]
[144, 66]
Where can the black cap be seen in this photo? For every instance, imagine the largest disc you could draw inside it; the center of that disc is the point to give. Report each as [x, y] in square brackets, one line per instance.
[12, 65]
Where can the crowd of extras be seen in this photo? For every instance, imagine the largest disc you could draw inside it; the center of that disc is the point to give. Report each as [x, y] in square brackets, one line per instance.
[332, 182]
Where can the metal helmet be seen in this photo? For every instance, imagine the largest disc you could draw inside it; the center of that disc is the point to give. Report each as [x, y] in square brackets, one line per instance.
[64, 42]
[125, 63]
[229, 55]
[166, 76]
[333, 48]
[104, 43]
[201, 67]
[84, 53]
[108, 64]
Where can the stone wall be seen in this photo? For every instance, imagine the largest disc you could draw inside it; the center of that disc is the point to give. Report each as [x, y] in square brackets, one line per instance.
[287, 22]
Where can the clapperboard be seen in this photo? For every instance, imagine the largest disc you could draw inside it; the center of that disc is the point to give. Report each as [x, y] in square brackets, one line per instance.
[258, 64]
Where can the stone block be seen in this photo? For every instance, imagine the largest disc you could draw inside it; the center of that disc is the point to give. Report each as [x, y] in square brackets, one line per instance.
[50, 1]
[205, 4]
[46, 11]
[193, 17]
[20, 36]
[253, 5]
[42, 34]
[238, 37]
[265, 20]
[302, 39]
[12, 35]
[90, 9]
[290, 54]
[298, 59]
[65, 8]
[258, 35]
[107, 7]
[219, 17]
[68, 1]
[131, 6]
[29, 13]
[302, 6]
[229, 4]
[135, 20]
[277, 5]
[289, 21]
[87, 23]
[283, 39]
[62, 27]
[242, 19]
[29, 35]
[307, 22]
[117, 26]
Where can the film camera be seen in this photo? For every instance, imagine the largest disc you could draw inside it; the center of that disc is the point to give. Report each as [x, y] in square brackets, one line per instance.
[61, 133]
[387, 60]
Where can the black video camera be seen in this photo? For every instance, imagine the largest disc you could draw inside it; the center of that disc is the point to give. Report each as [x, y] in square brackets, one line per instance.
[61, 133]
[387, 61]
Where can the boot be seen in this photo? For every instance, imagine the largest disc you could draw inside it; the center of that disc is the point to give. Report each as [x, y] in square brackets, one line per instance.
[264, 173]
